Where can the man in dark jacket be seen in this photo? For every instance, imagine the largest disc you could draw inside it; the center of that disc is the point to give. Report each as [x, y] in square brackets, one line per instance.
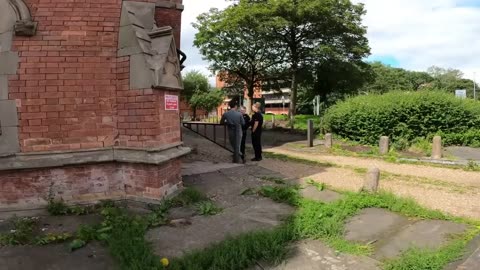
[245, 127]
[257, 124]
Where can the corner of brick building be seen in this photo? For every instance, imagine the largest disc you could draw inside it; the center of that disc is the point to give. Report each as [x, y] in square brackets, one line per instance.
[83, 132]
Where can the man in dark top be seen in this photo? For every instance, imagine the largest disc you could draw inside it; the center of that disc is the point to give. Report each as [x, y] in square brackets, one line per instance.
[257, 124]
[246, 118]
[234, 121]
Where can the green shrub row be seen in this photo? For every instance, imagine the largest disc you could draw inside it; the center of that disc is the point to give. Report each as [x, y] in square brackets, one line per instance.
[406, 117]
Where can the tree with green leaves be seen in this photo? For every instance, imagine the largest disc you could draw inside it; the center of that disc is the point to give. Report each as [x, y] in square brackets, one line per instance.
[209, 100]
[316, 32]
[449, 80]
[194, 83]
[235, 44]
[387, 78]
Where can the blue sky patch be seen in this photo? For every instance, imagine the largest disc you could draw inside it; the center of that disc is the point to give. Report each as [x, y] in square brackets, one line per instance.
[385, 59]
[468, 3]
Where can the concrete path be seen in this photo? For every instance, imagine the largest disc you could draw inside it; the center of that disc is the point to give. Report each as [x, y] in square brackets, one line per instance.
[199, 167]
[313, 255]
[464, 153]
[391, 234]
[240, 213]
[56, 257]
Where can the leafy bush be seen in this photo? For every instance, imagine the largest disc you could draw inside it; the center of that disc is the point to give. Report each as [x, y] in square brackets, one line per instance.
[405, 117]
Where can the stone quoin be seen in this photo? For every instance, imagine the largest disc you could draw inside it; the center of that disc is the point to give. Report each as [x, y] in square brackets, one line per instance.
[82, 100]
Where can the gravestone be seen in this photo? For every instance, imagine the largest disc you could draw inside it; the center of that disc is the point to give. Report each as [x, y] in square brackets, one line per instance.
[384, 145]
[328, 140]
[437, 148]
[371, 180]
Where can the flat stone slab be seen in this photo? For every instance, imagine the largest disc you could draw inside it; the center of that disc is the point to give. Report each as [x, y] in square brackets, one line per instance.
[472, 263]
[56, 257]
[325, 196]
[201, 167]
[313, 255]
[464, 153]
[422, 234]
[372, 224]
[57, 224]
[205, 231]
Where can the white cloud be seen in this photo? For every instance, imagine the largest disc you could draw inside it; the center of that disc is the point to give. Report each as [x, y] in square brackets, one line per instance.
[417, 33]
[422, 33]
[193, 8]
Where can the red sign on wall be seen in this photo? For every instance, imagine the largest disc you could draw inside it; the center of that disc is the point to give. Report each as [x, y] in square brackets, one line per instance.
[171, 103]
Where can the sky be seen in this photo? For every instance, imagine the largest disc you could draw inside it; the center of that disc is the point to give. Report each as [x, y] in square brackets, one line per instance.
[411, 34]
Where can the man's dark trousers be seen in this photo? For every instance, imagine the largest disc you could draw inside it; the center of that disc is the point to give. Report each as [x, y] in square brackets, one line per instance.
[257, 144]
[242, 145]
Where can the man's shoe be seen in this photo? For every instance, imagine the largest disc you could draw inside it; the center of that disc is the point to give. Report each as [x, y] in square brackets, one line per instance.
[255, 159]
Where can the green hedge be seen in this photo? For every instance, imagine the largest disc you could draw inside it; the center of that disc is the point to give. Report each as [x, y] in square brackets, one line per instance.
[406, 116]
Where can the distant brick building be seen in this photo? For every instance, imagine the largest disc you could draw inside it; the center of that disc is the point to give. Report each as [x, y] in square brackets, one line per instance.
[276, 102]
[83, 89]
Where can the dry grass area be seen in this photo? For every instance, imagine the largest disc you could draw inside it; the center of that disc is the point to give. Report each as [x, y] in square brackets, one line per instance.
[456, 192]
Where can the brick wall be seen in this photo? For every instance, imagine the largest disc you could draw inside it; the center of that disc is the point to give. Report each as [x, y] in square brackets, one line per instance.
[170, 17]
[142, 119]
[72, 90]
[113, 180]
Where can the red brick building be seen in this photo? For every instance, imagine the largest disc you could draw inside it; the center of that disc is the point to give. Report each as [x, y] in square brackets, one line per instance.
[276, 102]
[83, 85]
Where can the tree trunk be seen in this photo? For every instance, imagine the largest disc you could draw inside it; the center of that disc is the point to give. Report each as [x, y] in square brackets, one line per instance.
[250, 91]
[293, 99]
[194, 113]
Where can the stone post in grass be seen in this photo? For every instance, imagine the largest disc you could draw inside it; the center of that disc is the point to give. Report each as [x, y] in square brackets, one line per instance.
[328, 140]
[437, 148]
[371, 180]
[310, 133]
[384, 145]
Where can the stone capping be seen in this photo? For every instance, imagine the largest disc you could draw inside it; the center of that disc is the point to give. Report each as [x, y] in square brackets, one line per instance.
[166, 4]
[40, 160]
[24, 25]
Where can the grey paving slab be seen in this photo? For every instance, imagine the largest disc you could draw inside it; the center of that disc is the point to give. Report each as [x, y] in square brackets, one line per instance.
[472, 263]
[313, 255]
[422, 234]
[56, 257]
[325, 196]
[201, 167]
[464, 153]
[205, 231]
[373, 224]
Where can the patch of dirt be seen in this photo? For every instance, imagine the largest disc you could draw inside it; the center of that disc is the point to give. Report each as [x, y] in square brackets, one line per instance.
[357, 148]
[453, 200]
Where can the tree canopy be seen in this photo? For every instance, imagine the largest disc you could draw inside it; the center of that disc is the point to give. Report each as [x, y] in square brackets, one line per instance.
[233, 41]
[264, 40]
[198, 93]
[388, 78]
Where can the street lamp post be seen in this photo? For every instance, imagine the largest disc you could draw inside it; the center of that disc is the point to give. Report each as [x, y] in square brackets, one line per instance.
[283, 104]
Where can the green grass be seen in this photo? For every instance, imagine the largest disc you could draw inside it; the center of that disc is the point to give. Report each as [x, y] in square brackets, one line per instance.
[278, 117]
[428, 259]
[208, 208]
[282, 194]
[317, 185]
[240, 252]
[188, 196]
[274, 179]
[312, 220]
[127, 244]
